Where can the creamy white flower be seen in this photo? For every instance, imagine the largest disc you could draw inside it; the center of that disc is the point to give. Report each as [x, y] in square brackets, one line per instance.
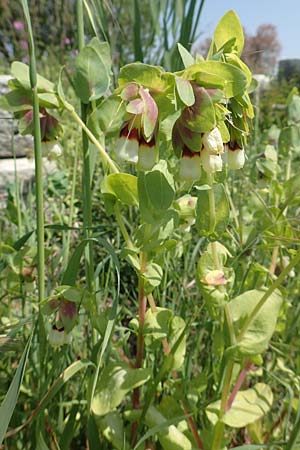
[147, 156]
[51, 149]
[58, 337]
[190, 168]
[236, 159]
[210, 162]
[213, 142]
[127, 150]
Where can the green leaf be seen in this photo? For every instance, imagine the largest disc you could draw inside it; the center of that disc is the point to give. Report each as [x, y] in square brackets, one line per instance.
[159, 185]
[215, 229]
[294, 109]
[48, 100]
[248, 407]
[185, 91]
[114, 383]
[10, 400]
[256, 337]
[177, 327]
[229, 28]
[150, 77]
[153, 276]
[123, 186]
[215, 74]
[169, 436]
[156, 325]
[289, 139]
[16, 101]
[108, 117]
[113, 430]
[200, 117]
[187, 58]
[20, 71]
[92, 71]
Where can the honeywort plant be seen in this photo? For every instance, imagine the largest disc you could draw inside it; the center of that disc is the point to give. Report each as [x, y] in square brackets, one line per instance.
[172, 139]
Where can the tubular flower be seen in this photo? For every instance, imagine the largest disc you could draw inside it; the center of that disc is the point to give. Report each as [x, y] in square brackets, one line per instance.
[235, 156]
[51, 149]
[137, 142]
[191, 139]
[211, 162]
[58, 336]
[213, 142]
[190, 165]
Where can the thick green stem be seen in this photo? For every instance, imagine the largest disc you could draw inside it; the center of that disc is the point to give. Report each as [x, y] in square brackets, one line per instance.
[122, 225]
[220, 426]
[86, 175]
[142, 306]
[37, 159]
[71, 211]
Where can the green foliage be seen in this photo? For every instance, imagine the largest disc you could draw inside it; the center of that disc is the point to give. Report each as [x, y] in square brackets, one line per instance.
[248, 407]
[172, 282]
[115, 382]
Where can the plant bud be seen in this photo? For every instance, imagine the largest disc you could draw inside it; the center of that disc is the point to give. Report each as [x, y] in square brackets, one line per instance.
[190, 165]
[211, 163]
[213, 142]
[186, 207]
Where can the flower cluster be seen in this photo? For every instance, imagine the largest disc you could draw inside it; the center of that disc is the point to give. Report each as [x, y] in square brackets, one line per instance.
[198, 147]
[137, 140]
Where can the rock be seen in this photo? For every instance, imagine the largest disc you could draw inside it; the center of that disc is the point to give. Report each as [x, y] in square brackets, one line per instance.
[25, 173]
[9, 135]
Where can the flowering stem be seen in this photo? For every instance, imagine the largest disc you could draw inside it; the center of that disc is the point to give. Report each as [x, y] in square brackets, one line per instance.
[86, 175]
[238, 384]
[167, 351]
[142, 306]
[276, 249]
[37, 159]
[220, 426]
[112, 166]
[122, 225]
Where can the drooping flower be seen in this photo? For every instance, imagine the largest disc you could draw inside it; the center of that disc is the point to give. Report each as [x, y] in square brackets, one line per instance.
[211, 162]
[128, 144]
[137, 142]
[58, 336]
[51, 149]
[68, 314]
[213, 142]
[235, 156]
[190, 165]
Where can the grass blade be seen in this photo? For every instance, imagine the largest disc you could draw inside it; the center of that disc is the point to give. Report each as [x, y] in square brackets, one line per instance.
[10, 400]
